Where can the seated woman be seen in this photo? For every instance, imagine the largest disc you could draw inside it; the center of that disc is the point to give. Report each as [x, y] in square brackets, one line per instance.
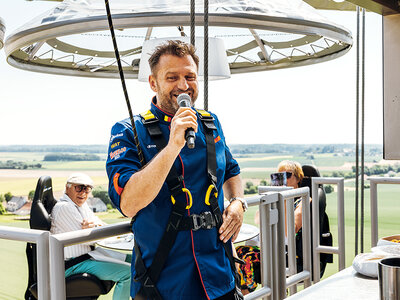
[294, 175]
[295, 178]
[250, 272]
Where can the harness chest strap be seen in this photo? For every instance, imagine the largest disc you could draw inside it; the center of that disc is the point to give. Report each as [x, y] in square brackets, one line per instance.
[208, 122]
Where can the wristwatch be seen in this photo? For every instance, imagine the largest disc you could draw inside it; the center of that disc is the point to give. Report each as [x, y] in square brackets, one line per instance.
[244, 202]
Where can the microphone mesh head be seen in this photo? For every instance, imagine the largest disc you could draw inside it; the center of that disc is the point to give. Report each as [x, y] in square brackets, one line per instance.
[184, 100]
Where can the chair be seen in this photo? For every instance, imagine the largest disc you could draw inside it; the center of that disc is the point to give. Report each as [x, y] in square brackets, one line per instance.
[79, 286]
[325, 234]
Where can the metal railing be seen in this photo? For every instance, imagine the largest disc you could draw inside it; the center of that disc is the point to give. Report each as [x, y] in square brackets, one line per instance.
[291, 270]
[57, 242]
[272, 231]
[374, 181]
[304, 276]
[317, 248]
[41, 239]
[272, 247]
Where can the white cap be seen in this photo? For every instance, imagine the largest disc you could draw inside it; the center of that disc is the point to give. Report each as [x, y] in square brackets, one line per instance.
[80, 178]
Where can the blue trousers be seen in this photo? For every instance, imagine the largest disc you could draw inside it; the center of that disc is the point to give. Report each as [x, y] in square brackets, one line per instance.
[120, 274]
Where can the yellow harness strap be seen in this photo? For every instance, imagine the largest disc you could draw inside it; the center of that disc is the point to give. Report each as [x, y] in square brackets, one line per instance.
[203, 112]
[148, 115]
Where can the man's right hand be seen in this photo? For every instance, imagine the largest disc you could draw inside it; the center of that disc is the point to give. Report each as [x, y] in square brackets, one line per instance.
[184, 118]
[87, 224]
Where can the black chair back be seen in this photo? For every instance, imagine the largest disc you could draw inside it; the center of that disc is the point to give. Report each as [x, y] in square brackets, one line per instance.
[325, 234]
[42, 204]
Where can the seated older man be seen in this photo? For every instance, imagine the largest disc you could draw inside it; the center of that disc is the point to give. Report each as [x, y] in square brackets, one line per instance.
[73, 213]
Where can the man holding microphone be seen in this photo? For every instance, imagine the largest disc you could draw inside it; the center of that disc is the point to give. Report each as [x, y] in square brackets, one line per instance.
[182, 232]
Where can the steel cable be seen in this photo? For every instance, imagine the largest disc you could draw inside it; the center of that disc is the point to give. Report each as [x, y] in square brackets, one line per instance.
[121, 75]
[357, 125]
[362, 128]
[205, 54]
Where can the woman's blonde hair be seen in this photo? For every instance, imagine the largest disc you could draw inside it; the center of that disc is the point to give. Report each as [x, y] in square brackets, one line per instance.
[292, 166]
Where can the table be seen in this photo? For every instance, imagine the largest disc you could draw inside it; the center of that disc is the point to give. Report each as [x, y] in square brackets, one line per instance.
[121, 242]
[126, 241]
[346, 284]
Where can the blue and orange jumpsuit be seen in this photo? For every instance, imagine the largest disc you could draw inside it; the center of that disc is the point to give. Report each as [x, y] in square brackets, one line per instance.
[197, 266]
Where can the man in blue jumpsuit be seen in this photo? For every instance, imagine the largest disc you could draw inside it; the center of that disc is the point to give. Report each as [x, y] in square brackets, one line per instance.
[197, 266]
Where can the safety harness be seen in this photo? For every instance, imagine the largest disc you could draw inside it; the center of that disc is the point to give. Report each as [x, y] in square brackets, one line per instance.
[177, 219]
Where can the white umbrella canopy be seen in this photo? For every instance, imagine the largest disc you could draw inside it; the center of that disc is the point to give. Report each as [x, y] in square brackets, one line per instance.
[73, 38]
[2, 30]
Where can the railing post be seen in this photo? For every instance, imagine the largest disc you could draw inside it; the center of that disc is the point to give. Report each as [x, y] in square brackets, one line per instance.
[306, 236]
[43, 267]
[341, 229]
[57, 269]
[266, 247]
[316, 231]
[374, 212]
[291, 239]
[281, 260]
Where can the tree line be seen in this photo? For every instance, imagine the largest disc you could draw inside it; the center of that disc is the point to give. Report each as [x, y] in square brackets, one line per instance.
[10, 164]
[71, 157]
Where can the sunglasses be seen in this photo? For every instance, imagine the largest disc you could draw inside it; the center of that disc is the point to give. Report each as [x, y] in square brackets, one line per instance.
[81, 187]
[288, 174]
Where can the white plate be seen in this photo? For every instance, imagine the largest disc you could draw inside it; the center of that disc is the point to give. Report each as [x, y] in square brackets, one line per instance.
[367, 263]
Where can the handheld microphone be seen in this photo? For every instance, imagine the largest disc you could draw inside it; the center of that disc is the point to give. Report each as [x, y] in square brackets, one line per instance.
[184, 100]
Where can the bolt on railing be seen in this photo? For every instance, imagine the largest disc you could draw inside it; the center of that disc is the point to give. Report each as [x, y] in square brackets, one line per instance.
[317, 248]
[41, 239]
[374, 181]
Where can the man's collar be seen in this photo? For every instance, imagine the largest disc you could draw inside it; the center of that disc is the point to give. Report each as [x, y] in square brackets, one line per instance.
[65, 198]
[161, 115]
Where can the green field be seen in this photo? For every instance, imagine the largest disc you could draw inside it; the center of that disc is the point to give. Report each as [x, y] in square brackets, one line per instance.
[13, 274]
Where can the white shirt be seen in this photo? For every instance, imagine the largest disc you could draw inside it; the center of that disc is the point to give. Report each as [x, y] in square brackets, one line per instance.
[67, 216]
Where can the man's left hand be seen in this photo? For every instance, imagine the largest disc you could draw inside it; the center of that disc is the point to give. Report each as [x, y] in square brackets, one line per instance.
[232, 221]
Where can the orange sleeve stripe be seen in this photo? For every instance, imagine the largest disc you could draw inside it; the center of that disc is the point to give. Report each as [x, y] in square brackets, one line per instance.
[217, 139]
[117, 188]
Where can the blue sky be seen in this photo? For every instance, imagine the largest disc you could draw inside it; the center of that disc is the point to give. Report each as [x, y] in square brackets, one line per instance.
[310, 104]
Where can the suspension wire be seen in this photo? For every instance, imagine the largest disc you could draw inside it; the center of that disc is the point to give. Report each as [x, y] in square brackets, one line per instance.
[357, 126]
[205, 54]
[121, 75]
[362, 126]
[192, 22]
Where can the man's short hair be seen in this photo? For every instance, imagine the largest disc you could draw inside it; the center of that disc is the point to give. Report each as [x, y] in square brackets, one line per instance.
[172, 47]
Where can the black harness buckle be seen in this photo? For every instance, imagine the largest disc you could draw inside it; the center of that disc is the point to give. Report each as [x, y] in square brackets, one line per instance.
[203, 221]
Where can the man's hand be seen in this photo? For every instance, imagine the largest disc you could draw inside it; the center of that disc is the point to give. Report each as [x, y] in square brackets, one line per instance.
[87, 224]
[232, 221]
[184, 118]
